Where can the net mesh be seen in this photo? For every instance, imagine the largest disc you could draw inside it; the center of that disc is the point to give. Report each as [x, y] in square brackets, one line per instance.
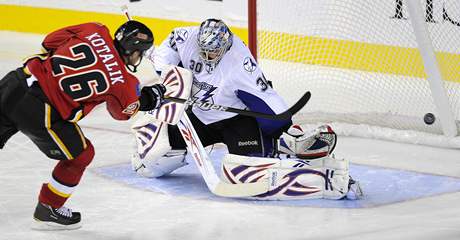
[359, 59]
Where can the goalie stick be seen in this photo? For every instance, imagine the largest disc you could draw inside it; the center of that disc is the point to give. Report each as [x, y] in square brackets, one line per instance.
[282, 116]
[204, 164]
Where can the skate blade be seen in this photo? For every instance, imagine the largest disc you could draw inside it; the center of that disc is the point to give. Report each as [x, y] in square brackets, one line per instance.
[52, 226]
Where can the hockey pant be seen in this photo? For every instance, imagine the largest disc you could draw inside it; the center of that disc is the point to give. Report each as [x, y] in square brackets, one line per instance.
[241, 135]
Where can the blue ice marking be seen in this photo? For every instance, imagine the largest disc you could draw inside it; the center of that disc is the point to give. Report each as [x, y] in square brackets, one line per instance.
[381, 186]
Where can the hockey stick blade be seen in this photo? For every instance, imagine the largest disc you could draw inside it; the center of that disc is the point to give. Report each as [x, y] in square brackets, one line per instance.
[286, 115]
[241, 190]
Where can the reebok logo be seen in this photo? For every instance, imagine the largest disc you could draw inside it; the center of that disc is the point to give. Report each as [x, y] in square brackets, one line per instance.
[248, 143]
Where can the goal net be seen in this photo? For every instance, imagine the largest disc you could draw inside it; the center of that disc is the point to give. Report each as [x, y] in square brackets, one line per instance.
[365, 62]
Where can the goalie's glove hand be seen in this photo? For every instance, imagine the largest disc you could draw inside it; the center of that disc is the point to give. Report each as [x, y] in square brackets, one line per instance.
[295, 131]
[308, 145]
[151, 97]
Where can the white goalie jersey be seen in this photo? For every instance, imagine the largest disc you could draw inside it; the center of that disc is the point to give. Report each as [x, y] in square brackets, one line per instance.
[236, 81]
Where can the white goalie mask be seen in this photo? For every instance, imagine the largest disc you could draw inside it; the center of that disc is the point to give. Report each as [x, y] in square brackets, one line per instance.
[214, 39]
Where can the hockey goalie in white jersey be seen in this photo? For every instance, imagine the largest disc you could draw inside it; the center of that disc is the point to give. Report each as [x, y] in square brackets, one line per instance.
[225, 73]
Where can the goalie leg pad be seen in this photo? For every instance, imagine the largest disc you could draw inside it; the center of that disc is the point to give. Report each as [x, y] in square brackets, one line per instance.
[152, 140]
[337, 178]
[325, 177]
[154, 168]
[153, 156]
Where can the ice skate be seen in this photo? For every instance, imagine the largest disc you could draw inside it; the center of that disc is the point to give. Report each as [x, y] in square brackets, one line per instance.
[49, 218]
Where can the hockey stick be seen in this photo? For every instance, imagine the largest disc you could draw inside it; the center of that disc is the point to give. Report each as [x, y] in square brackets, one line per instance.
[282, 116]
[124, 9]
[204, 164]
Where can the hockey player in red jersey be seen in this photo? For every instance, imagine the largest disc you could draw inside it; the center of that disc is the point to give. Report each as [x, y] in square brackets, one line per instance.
[81, 68]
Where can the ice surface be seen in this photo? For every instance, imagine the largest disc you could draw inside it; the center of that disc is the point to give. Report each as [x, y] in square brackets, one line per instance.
[382, 186]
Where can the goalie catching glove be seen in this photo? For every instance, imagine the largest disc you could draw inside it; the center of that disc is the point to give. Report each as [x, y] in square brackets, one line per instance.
[308, 145]
[151, 97]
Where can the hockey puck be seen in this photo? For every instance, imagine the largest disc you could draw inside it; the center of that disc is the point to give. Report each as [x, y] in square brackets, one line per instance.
[429, 118]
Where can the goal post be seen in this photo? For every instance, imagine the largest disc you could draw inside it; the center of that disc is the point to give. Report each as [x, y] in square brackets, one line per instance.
[434, 77]
[375, 65]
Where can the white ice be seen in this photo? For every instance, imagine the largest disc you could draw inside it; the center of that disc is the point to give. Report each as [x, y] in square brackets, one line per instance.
[115, 211]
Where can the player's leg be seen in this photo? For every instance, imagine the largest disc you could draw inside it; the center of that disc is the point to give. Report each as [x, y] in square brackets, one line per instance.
[7, 128]
[290, 178]
[63, 141]
[154, 155]
[160, 148]
[242, 136]
[60, 140]
[328, 175]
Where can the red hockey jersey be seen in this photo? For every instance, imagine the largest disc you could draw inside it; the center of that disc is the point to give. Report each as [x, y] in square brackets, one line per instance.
[82, 70]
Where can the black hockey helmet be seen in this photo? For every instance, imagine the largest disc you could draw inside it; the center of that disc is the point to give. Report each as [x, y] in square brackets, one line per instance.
[133, 36]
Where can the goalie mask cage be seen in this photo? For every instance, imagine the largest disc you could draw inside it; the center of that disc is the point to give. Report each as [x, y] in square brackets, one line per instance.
[374, 68]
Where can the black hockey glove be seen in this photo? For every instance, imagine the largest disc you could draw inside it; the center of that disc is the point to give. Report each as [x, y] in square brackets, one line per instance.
[151, 97]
